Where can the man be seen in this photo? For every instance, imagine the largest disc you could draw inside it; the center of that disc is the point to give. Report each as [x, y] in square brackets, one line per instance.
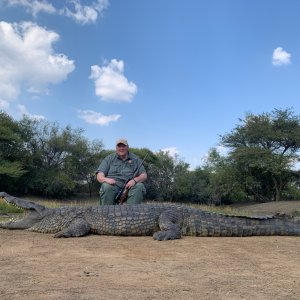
[115, 169]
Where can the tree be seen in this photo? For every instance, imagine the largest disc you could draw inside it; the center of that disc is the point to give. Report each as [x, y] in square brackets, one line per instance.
[12, 151]
[83, 161]
[192, 185]
[61, 159]
[264, 148]
[164, 175]
[224, 184]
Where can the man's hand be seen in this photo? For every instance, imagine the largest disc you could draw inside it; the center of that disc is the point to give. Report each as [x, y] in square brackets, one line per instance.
[101, 178]
[130, 184]
[110, 181]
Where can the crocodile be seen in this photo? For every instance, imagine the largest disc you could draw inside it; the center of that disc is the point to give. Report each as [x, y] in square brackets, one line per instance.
[162, 221]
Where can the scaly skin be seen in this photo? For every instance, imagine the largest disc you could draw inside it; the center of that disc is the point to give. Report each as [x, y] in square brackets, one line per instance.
[164, 222]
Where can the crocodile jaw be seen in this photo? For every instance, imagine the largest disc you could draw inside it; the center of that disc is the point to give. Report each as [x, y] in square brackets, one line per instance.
[33, 213]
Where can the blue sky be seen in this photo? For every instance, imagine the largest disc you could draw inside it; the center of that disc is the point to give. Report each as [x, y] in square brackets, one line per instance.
[167, 75]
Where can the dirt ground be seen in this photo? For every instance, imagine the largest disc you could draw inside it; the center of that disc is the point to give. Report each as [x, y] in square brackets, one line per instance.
[37, 266]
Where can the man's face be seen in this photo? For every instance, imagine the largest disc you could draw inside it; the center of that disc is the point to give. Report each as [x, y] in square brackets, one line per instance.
[122, 149]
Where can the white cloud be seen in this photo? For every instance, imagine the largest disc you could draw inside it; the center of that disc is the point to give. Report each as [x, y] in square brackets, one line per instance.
[111, 84]
[28, 60]
[82, 14]
[281, 57]
[171, 151]
[4, 105]
[23, 111]
[33, 6]
[85, 14]
[93, 117]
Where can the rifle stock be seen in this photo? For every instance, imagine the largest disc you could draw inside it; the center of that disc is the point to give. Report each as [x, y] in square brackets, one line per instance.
[123, 193]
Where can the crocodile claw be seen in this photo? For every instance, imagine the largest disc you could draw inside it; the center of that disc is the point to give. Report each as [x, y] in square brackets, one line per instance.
[167, 235]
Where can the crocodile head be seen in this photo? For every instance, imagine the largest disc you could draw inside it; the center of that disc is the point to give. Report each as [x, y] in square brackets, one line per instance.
[33, 212]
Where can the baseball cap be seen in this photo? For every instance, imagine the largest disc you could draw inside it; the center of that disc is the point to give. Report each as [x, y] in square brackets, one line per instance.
[122, 141]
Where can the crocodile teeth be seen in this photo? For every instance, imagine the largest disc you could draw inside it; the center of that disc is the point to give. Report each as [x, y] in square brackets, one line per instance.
[13, 204]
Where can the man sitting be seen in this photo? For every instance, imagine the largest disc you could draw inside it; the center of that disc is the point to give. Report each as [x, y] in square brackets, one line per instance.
[115, 170]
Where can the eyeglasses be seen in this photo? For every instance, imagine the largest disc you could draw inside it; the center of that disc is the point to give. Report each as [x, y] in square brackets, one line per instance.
[121, 146]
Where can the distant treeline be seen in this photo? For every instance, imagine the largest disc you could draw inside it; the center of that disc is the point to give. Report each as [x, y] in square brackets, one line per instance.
[41, 158]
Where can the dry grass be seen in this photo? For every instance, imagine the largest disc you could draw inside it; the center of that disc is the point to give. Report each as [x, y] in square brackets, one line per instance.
[60, 203]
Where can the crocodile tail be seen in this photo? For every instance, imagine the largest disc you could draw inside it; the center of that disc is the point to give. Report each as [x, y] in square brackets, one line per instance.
[221, 225]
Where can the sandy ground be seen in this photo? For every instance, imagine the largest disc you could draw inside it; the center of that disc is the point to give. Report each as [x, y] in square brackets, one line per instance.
[37, 266]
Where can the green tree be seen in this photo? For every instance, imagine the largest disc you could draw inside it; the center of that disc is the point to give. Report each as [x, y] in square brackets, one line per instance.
[264, 148]
[164, 175]
[224, 185]
[191, 185]
[82, 163]
[164, 178]
[61, 158]
[11, 153]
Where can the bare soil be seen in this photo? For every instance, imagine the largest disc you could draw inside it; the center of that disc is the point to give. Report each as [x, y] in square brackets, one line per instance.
[37, 266]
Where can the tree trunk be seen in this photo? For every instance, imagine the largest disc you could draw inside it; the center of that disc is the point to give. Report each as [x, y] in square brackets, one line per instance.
[278, 188]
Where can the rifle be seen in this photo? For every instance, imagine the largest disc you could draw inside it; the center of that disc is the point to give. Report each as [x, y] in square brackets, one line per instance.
[123, 193]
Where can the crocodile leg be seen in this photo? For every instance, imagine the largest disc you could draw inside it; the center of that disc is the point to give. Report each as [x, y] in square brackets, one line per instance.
[168, 223]
[78, 228]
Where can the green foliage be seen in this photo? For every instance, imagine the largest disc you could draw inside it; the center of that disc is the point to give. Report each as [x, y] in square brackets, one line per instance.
[11, 169]
[162, 176]
[171, 180]
[12, 152]
[59, 185]
[263, 150]
[292, 190]
[65, 160]
[41, 158]
[224, 186]
[83, 163]
[192, 186]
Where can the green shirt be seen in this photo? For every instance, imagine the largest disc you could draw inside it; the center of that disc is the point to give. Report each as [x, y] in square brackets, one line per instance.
[112, 166]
